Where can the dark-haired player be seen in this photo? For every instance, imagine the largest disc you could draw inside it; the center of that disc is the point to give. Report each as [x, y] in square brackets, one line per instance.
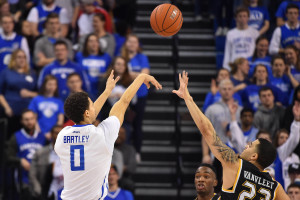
[205, 181]
[85, 151]
[243, 176]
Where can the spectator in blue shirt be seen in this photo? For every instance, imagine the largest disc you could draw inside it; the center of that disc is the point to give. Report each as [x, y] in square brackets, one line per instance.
[260, 55]
[17, 87]
[282, 77]
[250, 95]
[115, 192]
[47, 106]
[259, 16]
[61, 68]
[137, 63]
[281, 11]
[293, 61]
[94, 62]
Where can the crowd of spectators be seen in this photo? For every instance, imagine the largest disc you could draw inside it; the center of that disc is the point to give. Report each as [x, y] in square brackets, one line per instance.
[260, 85]
[49, 49]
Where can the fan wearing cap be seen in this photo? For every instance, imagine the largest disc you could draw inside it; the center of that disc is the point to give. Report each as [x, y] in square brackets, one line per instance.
[115, 192]
[205, 181]
[294, 173]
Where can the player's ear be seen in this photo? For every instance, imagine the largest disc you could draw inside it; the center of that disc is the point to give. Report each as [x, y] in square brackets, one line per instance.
[215, 183]
[254, 156]
[86, 113]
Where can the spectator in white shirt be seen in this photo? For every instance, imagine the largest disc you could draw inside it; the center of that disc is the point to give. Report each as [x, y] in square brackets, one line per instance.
[240, 41]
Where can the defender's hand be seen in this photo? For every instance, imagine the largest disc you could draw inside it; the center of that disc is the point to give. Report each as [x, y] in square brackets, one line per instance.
[150, 79]
[111, 82]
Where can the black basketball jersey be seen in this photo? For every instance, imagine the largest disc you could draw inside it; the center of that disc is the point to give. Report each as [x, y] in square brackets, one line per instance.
[250, 183]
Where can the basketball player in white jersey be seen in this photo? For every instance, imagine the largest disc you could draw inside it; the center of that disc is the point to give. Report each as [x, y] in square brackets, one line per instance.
[85, 151]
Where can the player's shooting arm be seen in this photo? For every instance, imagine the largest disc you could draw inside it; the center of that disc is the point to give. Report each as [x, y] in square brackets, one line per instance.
[222, 152]
[120, 107]
[110, 84]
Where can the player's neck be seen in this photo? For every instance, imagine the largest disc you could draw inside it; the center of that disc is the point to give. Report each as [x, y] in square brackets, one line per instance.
[113, 188]
[85, 121]
[257, 165]
[205, 196]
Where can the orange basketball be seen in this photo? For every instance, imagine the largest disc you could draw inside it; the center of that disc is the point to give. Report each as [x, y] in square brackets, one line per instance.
[166, 20]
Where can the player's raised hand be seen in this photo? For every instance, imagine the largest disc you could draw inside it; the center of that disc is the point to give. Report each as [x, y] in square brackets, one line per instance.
[296, 110]
[111, 82]
[182, 92]
[150, 79]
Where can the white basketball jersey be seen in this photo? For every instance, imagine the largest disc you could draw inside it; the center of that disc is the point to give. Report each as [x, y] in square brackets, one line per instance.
[85, 152]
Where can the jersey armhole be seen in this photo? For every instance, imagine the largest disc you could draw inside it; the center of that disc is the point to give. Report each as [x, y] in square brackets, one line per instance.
[236, 179]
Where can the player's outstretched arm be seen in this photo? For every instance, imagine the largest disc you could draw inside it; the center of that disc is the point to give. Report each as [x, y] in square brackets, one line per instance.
[110, 84]
[280, 194]
[222, 152]
[120, 107]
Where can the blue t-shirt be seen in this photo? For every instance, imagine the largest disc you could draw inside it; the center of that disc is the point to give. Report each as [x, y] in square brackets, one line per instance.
[266, 61]
[27, 145]
[250, 135]
[289, 36]
[61, 73]
[47, 109]
[284, 84]
[6, 49]
[11, 83]
[120, 40]
[296, 74]
[237, 82]
[94, 67]
[258, 16]
[136, 64]
[282, 8]
[250, 95]
[211, 99]
[119, 194]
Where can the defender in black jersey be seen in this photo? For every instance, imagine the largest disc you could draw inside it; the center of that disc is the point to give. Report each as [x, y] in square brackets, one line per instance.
[243, 176]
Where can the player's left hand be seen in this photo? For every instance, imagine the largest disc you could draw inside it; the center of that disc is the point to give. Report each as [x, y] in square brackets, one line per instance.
[182, 91]
[111, 82]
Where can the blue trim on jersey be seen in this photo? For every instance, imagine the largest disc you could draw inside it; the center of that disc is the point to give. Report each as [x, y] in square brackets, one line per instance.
[102, 188]
[80, 125]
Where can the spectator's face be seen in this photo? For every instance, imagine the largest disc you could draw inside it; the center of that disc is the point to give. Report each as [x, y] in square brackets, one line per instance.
[294, 193]
[88, 8]
[226, 91]
[98, 24]
[278, 67]
[29, 120]
[261, 73]
[247, 118]
[4, 9]
[7, 25]
[132, 44]
[113, 177]
[51, 86]
[74, 83]
[262, 47]
[61, 52]
[120, 66]
[242, 18]
[93, 44]
[290, 56]
[55, 133]
[292, 15]
[223, 74]
[21, 61]
[265, 136]
[205, 180]
[53, 25]
[48, 2]
[283, 136]
[244, 67]
[267, 98]
[26, 30]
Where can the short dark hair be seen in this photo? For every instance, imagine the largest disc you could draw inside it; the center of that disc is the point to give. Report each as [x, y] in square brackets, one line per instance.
[241, 9]
[293, 185]
[262, 131]
[265, 88]
[52, 15]
[247, 110]
[100, 16]
[60, 42]
[73, 74]
[75, 106]
[209, 166]
[26, 110]
[277, 57]
[266, 153]
[290, 6]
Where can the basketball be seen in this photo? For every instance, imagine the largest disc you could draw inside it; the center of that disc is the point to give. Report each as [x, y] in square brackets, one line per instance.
[166, 20]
